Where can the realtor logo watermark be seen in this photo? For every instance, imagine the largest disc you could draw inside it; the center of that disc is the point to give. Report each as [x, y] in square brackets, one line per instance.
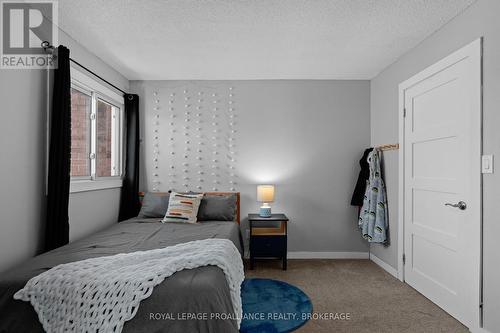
[25, 25]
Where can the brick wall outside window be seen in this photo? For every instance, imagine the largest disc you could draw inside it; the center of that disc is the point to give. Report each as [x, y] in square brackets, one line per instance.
[80, 133]
[104, 113]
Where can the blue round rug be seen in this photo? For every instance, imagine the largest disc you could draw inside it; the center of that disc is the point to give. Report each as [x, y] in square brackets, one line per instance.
[271, 306]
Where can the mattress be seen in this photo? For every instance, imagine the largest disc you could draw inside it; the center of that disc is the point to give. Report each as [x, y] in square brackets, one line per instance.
[200, 292]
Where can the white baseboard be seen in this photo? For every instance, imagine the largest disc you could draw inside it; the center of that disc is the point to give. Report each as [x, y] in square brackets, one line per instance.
[328, 255]
[479, 330]
[385, 266]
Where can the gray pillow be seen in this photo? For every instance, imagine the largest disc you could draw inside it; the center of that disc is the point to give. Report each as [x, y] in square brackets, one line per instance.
[154, 205]
[217, 208]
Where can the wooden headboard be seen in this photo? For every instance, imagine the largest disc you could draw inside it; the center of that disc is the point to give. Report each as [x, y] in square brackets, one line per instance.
[214, 193]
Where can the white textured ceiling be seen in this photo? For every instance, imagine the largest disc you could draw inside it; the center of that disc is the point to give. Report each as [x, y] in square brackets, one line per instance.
[253, 39]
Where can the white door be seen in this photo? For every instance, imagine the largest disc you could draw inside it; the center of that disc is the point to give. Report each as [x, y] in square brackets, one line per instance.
[442, 183]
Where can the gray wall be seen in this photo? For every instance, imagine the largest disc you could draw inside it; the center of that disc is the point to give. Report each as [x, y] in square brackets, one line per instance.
[22, 175]
[304, 136]
[481, 19]
[91, 211]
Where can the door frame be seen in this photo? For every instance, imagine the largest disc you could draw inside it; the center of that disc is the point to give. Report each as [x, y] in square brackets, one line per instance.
[473, 51]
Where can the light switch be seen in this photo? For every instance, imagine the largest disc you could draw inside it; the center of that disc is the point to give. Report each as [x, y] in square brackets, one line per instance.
[487, 164]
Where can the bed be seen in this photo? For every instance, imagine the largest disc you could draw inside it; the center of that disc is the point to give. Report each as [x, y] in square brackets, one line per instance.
[200, 290]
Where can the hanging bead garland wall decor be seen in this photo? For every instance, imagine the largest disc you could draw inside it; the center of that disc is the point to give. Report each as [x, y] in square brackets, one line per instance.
[156, 141]
[197, 131]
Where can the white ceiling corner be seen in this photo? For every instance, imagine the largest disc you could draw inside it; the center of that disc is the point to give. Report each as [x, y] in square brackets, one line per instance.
[258, 39]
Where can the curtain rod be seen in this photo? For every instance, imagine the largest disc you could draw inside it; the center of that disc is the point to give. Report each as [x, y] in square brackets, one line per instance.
[50, 49]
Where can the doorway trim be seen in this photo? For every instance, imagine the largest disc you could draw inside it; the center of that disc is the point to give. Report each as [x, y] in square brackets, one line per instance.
[473, 51]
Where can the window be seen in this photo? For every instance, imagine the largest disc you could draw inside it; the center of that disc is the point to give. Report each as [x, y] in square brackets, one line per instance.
[96, 135]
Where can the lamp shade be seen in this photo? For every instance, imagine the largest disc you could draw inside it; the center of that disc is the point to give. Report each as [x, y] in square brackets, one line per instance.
[265, 193]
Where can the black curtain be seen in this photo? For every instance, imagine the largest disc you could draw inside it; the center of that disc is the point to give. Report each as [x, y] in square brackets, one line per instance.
[57, 220]
[129, 201]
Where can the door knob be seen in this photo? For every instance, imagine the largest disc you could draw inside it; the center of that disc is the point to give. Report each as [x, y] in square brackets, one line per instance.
[460, 205]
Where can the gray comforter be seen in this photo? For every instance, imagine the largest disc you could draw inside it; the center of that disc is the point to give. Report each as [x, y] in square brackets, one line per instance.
[195, 291]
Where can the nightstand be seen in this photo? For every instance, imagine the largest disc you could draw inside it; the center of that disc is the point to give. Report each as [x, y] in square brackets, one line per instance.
[266, 241]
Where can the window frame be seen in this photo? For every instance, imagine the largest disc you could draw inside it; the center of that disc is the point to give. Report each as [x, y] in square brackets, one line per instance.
[98, 91]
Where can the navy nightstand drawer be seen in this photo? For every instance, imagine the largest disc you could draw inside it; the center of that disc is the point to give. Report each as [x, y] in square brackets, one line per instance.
[268, 246]
[268, 237]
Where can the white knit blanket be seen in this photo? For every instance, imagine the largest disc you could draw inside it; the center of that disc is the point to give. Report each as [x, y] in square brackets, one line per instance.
[103, 293]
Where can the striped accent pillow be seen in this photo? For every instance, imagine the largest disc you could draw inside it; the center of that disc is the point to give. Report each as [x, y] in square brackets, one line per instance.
[182, 208]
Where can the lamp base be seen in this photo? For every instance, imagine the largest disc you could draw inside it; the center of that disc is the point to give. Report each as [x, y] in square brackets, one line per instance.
[265, 211]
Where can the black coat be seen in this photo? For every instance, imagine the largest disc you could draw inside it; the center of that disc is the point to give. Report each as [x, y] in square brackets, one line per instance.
[364, 174]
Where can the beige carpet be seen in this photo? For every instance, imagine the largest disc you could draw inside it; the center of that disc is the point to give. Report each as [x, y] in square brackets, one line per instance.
[375, 301]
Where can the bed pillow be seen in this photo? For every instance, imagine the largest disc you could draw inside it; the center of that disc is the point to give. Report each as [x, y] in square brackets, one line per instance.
[218, 208]
[183, 208]
[154, 205]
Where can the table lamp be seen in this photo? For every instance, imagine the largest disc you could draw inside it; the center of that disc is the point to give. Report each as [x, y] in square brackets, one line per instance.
[265, 194]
